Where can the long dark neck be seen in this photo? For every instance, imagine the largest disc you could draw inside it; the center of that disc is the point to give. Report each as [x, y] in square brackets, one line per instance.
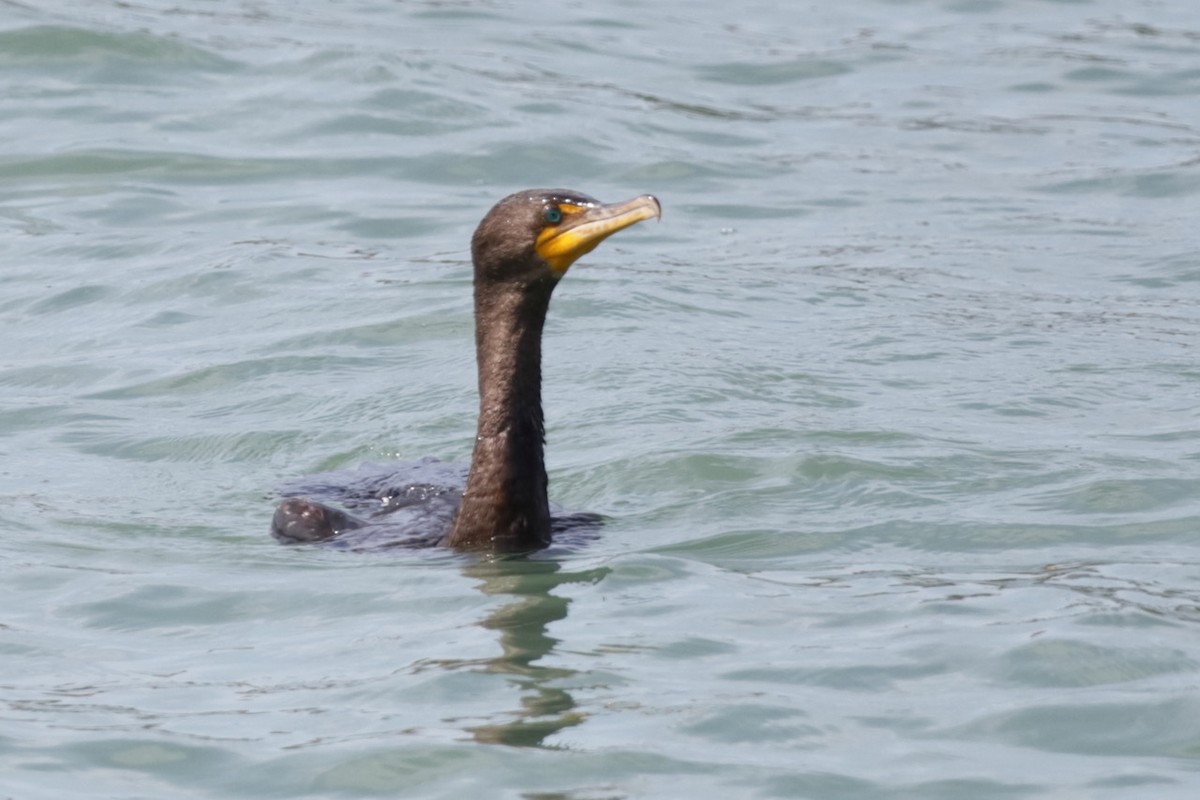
[504, 507]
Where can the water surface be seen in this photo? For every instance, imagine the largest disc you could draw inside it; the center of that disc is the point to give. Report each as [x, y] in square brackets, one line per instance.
[895, 416]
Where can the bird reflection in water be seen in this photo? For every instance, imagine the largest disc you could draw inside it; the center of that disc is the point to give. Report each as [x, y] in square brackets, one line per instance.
[546, 708]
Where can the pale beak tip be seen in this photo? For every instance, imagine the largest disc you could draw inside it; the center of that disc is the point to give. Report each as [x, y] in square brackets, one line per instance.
[657, 206]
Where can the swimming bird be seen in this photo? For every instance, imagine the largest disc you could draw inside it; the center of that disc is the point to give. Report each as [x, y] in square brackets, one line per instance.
[521, 249]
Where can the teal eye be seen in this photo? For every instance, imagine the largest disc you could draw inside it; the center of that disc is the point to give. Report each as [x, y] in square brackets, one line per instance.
[553, 215]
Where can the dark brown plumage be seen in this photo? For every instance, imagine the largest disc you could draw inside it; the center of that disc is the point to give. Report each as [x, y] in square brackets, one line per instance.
[521, 249]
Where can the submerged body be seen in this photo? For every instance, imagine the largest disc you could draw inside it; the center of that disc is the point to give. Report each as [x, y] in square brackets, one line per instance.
[520, 250]
[391, 505]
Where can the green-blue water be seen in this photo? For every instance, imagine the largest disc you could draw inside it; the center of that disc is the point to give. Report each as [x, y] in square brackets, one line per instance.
[896, 414]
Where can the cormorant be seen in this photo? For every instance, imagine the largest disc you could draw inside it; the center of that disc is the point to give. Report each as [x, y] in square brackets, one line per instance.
[520, 250]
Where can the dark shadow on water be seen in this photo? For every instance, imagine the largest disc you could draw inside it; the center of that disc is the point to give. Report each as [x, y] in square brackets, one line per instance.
[524, 640]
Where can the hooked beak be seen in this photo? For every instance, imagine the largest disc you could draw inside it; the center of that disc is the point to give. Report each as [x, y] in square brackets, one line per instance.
[585, 226]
